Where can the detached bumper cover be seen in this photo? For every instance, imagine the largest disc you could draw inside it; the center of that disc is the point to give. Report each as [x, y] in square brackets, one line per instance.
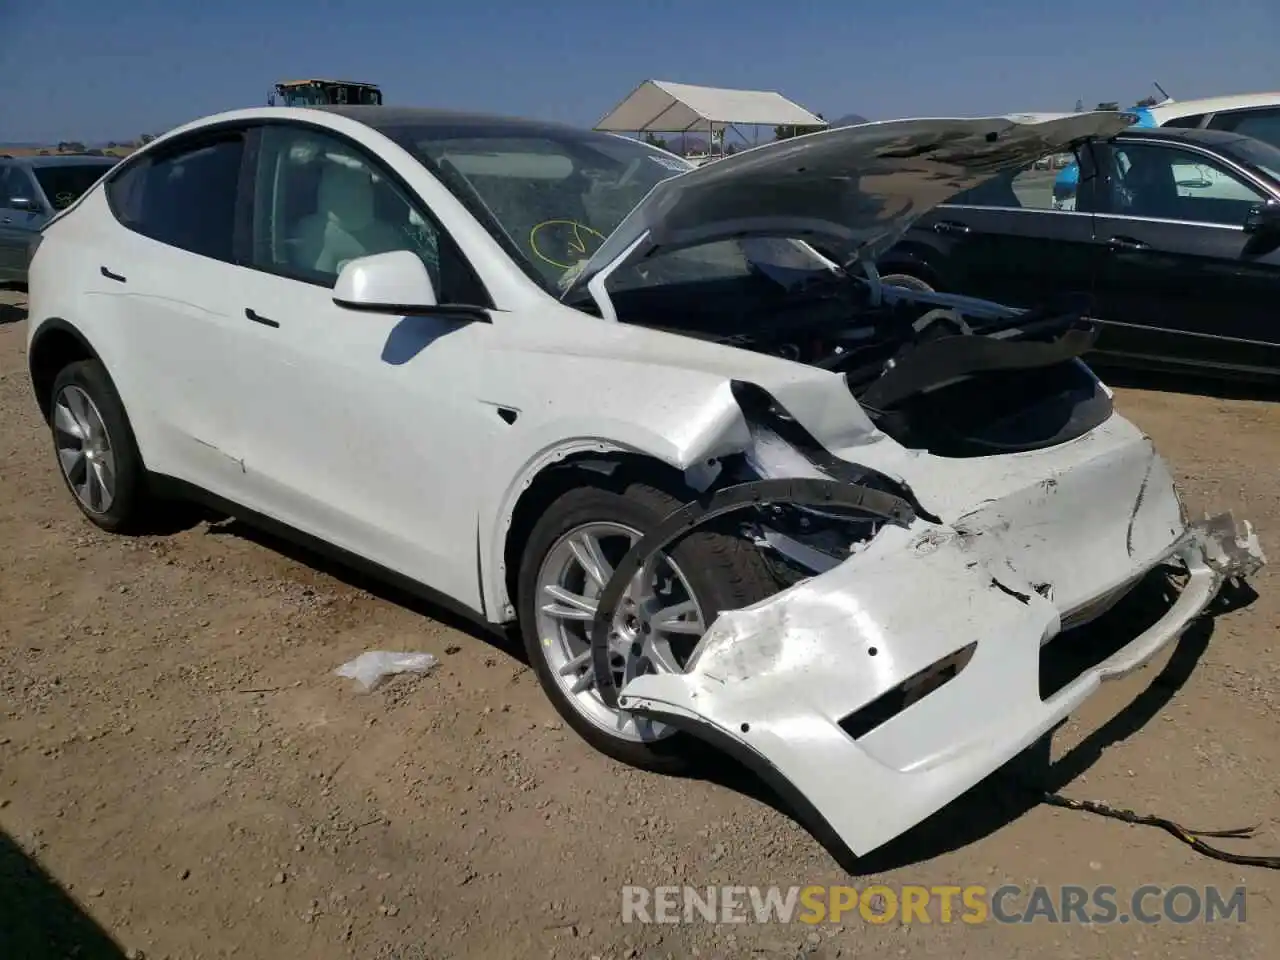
[772, 682]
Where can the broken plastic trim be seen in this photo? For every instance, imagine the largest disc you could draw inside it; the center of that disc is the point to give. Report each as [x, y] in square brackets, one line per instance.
[806, 492]
[760, 407]
[936, 363]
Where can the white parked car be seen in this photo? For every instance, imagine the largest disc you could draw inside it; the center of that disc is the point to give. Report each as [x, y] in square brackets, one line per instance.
[727, 488]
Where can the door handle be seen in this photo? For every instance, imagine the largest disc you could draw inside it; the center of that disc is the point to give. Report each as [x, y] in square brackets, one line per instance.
[950, 226]
[256, 317]
[1126, 243]
[112, 276]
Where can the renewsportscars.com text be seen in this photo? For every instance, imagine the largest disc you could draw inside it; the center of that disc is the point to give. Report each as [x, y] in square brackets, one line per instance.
[1007, 904]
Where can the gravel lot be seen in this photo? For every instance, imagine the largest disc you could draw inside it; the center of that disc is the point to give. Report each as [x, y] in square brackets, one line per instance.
[181, 775]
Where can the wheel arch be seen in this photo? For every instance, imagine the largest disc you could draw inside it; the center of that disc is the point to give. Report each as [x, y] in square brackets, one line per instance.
[607, 466]
[911, 258]
[54, 344]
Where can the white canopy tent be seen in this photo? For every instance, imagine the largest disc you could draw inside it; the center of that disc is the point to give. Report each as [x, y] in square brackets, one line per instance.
[660, 106]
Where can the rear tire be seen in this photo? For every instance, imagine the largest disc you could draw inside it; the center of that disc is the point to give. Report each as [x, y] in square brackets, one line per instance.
[95, 448]
[721, 572]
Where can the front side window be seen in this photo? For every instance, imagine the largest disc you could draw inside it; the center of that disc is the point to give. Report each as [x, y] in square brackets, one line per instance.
[319, 203]
[1190, 122]
[184, 196]
[1169, 183]
[64, 183]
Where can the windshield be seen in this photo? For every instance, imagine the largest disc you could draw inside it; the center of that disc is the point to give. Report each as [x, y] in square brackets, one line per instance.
[64, 183]
[552, 195]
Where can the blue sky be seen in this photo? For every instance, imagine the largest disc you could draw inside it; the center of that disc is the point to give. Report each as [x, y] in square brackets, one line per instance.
[92, 70]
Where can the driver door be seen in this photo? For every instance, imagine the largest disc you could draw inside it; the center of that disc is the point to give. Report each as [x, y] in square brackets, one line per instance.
[361, 429]
[1181, 281]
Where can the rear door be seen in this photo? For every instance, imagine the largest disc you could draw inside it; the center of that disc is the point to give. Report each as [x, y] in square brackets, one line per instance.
[1181, 281]
[168, 281]
[1006, 241]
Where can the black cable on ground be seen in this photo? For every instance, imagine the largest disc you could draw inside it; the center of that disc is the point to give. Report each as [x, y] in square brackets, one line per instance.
[1188, 836]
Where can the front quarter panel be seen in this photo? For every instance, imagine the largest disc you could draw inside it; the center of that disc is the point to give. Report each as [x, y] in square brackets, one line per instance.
[579, 384]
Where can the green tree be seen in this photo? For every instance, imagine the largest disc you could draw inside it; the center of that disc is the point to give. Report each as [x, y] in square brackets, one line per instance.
[659, 142]
[1108, 105]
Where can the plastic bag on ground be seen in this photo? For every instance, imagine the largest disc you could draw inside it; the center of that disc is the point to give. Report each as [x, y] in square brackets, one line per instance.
[372, 667]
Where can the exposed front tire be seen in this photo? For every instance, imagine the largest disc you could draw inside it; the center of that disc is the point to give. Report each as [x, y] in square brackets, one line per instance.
[95, 448]
[910, 281]
[570, 556]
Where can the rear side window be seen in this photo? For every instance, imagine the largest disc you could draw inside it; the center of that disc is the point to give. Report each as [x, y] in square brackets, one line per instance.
[184, 197]
[1260, 124]
[1037, 187]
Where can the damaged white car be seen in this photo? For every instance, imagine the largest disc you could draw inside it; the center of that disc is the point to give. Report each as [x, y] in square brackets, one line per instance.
[728, 488]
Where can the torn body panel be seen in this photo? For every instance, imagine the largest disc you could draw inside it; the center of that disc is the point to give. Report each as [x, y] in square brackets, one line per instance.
[775, 681]
[968, 568]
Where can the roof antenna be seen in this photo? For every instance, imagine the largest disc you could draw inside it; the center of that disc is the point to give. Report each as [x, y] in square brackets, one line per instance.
[1162, 91]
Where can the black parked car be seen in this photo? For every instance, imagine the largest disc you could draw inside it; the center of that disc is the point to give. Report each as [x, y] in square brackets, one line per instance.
[1174, 235]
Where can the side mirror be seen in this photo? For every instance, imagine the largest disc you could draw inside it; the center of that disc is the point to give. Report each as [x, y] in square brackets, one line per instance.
[395, 282]
[1263, 219]
[25, 204]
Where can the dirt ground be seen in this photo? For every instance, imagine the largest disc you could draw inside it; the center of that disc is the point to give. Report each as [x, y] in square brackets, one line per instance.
[182, 775]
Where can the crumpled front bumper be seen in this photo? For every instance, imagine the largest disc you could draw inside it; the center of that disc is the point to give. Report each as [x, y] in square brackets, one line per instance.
[773, 683]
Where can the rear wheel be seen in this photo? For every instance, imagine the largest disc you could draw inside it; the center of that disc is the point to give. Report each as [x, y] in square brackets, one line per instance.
[97, 455]
[570, 556]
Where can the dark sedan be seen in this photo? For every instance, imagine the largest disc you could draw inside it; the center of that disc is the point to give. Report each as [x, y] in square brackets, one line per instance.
[1174, 235]
[32, 191]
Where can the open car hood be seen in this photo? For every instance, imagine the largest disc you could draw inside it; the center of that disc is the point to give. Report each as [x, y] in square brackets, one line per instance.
[857, 188]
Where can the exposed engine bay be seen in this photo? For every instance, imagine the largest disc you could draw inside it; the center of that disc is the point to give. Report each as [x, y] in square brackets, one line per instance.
[953, 376]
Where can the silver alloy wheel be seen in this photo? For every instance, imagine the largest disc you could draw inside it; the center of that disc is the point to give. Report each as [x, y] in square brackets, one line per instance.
[84, 449]
[656, 627]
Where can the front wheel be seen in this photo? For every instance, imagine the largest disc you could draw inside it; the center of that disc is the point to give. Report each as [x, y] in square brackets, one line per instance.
[570, 556]
[907, 280]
